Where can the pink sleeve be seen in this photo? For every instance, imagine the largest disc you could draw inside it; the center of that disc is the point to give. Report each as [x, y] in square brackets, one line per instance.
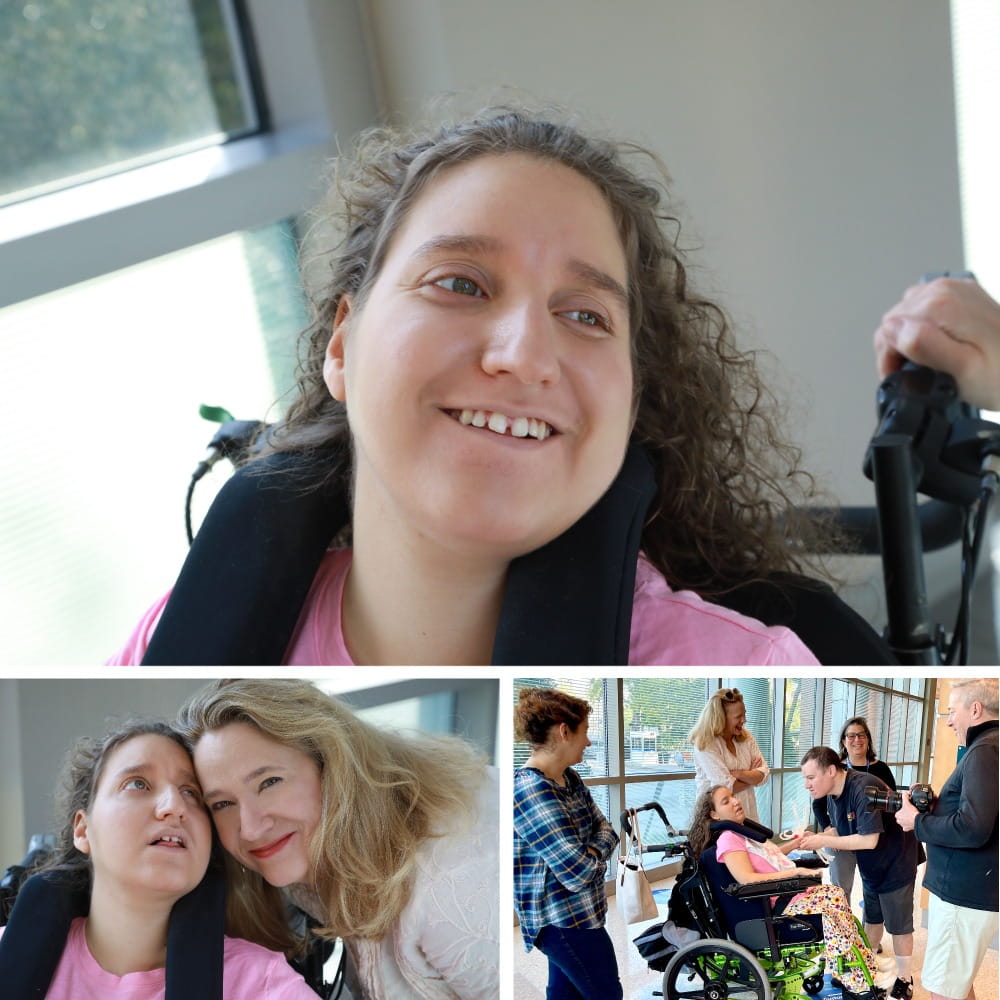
[787, 649]
[131, 654]
[727, 842]
[251, 972]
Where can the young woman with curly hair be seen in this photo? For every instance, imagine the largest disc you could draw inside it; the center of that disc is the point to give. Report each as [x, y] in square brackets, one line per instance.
[388, 841]
[504, 311]
[134, 840]
[749, 860]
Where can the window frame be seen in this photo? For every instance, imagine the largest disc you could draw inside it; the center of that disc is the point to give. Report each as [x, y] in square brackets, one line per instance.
[317, 87]
[617, 782]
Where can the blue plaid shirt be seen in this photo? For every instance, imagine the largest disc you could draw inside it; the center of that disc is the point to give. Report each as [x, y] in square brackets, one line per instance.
[557, 881]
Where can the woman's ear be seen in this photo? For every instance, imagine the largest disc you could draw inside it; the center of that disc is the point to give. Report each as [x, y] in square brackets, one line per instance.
[333, 363]
[80, 839]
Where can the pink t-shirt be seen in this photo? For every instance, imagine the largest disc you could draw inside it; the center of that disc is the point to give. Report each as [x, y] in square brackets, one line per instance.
[764, 857]
[249, 972]
[669, 628]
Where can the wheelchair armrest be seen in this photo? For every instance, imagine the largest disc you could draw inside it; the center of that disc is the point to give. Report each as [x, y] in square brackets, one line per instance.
[774, 887]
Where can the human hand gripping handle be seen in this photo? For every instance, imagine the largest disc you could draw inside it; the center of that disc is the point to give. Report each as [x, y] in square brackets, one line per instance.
[950, 324]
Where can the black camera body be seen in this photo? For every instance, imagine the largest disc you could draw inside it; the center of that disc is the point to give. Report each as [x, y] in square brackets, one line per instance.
[886, 800]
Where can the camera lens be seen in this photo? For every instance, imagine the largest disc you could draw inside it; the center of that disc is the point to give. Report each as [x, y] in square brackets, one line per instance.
[883, 799]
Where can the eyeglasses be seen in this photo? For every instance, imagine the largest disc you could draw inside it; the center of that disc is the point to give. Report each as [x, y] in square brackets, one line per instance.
[855, 736]
[729, 694]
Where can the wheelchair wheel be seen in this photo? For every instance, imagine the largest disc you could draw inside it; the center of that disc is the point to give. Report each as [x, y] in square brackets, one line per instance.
[713, 969]
[813, 985]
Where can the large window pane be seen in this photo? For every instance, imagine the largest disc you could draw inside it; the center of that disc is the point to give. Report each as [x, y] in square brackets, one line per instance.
[101, 383]
[675, 796]
[644, 755]
[86, 88]
[659, 714]
[803, 722]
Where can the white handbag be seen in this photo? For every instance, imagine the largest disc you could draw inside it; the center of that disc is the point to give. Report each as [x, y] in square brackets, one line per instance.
[635, 897]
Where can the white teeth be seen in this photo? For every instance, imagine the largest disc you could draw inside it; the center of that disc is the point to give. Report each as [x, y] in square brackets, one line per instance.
[499, 423]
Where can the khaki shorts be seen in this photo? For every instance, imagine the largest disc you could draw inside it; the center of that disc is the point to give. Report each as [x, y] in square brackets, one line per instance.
[957, 939]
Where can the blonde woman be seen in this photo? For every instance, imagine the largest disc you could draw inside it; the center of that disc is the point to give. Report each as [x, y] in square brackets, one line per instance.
[387, 841]
[725, 752]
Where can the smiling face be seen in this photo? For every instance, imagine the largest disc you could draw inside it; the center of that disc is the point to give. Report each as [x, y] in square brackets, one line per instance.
[726, 806]
[146, 829]
[487, 376]
[265, 798]
[736, 718]
[961, 716]
[856, 743]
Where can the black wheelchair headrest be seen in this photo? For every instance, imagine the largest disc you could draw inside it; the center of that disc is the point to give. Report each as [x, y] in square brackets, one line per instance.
[45, 907]
[241, 589]
[47, 904]
[748, 828]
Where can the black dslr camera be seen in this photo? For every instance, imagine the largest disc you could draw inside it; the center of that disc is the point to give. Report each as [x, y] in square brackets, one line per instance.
[886, 800]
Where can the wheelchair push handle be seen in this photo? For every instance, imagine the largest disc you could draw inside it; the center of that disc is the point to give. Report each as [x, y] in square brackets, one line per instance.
[676, 840]
[627, 826]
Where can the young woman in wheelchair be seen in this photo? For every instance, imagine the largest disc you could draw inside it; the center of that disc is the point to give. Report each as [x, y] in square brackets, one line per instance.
[135, 841]
[504, 317]
[749, 860]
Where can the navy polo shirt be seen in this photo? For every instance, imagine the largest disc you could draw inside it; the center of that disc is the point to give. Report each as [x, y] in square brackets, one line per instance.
[892, 863]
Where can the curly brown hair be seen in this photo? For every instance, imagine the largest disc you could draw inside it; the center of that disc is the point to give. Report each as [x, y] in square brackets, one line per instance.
[539, 709]
[728, 484]
[700, 835]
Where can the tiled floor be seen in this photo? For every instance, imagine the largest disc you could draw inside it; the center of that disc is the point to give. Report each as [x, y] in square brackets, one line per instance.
[640, 982]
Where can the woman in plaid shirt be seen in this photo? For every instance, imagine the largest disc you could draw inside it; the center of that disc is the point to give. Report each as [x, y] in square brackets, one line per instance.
[562, 843]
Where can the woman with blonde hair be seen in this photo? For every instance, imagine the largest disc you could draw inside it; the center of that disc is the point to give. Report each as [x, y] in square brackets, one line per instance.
[387, 841]
[725, 752]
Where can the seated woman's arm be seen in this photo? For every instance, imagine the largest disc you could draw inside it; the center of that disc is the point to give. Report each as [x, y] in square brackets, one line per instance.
[740, 867]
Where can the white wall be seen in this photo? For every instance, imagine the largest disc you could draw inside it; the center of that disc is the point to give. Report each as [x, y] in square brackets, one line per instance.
[812, 147]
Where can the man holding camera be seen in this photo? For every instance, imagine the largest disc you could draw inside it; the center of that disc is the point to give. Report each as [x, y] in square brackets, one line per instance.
[886, 856]
[961, 837]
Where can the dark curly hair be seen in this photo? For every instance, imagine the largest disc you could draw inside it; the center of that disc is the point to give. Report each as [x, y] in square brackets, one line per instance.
[729, 485]
[539, 709]
[700, 835]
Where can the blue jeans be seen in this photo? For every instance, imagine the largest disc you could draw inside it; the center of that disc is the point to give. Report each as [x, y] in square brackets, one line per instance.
[582, 964]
